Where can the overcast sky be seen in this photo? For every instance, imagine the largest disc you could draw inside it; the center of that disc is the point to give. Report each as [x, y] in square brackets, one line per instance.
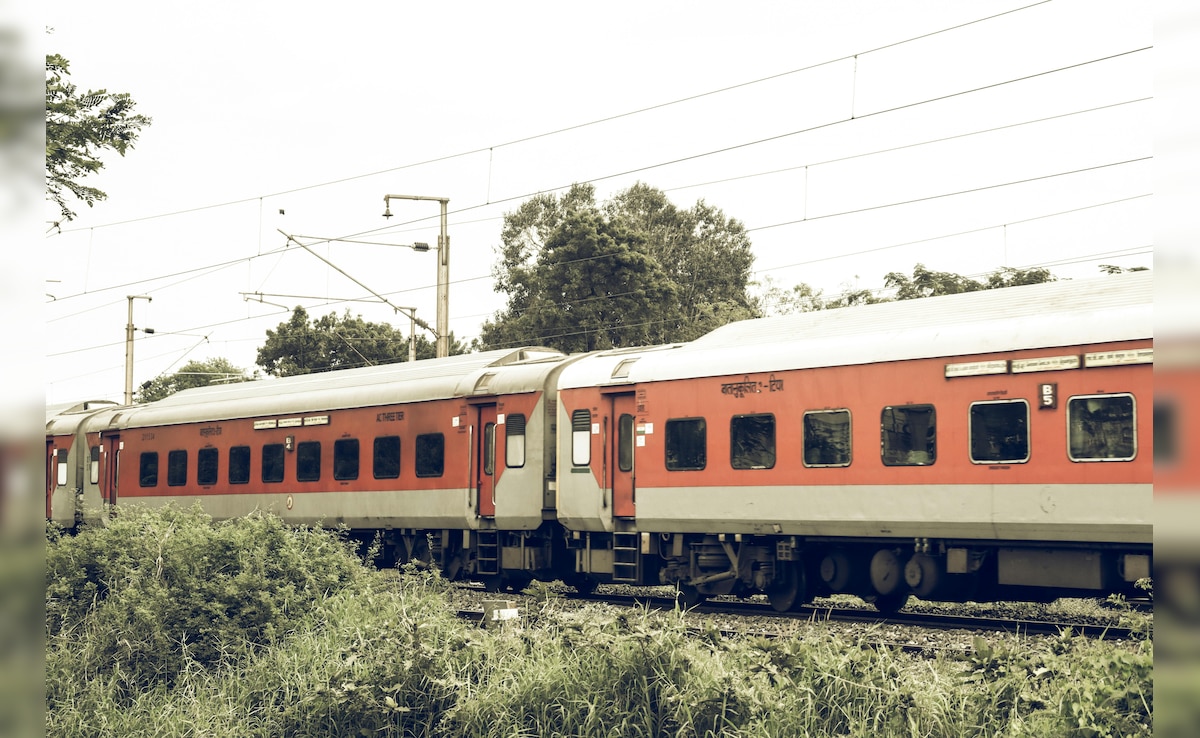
[851, 138]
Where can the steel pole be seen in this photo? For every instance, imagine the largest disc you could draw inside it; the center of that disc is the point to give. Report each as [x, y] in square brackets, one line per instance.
[443, 287]
[129, 348]
[412, 336]
[443, 270]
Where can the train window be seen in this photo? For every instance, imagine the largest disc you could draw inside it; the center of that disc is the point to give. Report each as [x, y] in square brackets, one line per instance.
[514, 441]
[308, 461]
[581, 437]
[272, 462]
[176, 468]
[909, 435]
[1101, 428]
[827, 438]
[239, 465]
[61, 456]
[1166, 432]
[625, 441]
[489, 449]
[1000, 432]
[206, 466]
[345, 458]
[386, 457]
[94, 472]
[431, 455]
[752, 441]
[687, 444]
[148, 469]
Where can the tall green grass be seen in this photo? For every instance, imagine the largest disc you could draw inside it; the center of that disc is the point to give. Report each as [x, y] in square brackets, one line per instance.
[337, 649]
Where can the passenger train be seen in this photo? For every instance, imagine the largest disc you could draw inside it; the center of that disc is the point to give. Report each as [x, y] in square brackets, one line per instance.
[981, 446]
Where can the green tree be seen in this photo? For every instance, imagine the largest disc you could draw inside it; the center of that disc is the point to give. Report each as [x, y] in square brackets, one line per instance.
[928, 283]
[804, 298]
[80, 126]
[706, 255]
[193, 374]
[300, 345]
[636, 271]
[924, 282]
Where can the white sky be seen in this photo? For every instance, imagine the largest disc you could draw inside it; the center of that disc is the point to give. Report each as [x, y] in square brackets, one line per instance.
[258, 107]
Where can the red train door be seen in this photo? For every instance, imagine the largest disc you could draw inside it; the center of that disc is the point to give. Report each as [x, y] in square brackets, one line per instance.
[112, 464]
[620, 455]
[485, 462]
[51, 476]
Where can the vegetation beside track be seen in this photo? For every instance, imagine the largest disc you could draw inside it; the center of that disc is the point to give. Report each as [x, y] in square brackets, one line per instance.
[170, 624]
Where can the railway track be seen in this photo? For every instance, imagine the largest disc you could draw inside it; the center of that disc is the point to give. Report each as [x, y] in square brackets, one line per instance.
[761, 612]
[939, 621]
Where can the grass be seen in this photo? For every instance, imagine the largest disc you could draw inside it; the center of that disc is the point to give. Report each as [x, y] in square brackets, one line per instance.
[354, 652]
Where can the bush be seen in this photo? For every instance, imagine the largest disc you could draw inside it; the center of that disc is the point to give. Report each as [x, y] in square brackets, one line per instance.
[136, 600]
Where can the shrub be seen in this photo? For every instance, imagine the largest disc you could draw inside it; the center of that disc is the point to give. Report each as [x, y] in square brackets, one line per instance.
[137, 599]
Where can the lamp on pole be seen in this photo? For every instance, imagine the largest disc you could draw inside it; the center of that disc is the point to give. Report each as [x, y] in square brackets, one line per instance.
[129, 329]
[443, 271]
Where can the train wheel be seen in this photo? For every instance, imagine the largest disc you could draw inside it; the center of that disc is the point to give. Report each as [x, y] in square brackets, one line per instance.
[788, 591]
[689, 596]
[518, 582]
[492, 582]
[582, 583]
[889, 603]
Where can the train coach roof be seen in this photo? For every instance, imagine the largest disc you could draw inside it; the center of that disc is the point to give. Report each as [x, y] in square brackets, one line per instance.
[1066, 313]
[65, 417]
[428, 379]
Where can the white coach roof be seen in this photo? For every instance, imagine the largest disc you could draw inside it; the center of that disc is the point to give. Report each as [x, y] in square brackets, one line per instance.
[1112, 308]
[418, 381]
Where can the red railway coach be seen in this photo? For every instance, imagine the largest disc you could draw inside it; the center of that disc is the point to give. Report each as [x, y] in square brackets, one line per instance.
[67, 465]
[450, 459]
[995, 444]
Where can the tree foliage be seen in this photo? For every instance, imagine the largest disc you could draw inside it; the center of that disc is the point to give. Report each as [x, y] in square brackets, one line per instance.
[924, 282]
[804, 298]
[636, 270]
[80, 126]
[928, 283]
[193, 374]
[301, 346]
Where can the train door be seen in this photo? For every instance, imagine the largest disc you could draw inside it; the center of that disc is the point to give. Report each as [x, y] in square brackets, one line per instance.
[485, 462]
[51, 476]
[112, 465]
[620, 455]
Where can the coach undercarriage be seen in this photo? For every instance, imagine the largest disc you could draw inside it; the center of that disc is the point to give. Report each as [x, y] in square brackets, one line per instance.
[499, 559]
[791, 570]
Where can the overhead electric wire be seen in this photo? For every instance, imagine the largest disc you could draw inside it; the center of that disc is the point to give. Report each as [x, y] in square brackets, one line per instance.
[726, 149]
[969, 231]
[134, 283]
[283, 250]
[1131, 251]
[573, 127]
[907, 146]
[949, 194]
[610, 176]
[714, 152]
[807, 262]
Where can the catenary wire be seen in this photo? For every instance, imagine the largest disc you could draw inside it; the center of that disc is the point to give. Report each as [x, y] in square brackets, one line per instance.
[384, 229]
[575, 126]
[754, 272]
